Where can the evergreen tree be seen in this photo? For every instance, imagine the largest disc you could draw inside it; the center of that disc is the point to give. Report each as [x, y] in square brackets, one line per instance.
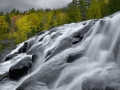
[17, 12]
[13, 12]
[83, 8]
[94, 10]
[113, 6]
[7, 18]
[103, 7]
[1, 14]
[73, 13]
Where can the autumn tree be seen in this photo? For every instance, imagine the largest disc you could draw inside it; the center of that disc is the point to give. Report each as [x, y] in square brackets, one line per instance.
[36, 22]
[48, 20]
[3, 28]
[23, 29]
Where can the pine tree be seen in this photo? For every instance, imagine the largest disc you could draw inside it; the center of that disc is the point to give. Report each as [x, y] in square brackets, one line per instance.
[94, 10]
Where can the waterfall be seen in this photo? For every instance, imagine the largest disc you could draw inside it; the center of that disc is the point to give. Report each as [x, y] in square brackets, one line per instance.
[76, 56]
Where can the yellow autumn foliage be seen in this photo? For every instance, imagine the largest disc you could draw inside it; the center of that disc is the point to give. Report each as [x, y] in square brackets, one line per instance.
[23, 29]
[3, 28]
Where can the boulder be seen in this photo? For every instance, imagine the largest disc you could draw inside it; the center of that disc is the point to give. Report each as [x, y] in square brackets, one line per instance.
[20, 69]
[9, 57]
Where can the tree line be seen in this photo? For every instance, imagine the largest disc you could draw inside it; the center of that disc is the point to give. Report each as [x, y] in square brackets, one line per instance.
[19, 26]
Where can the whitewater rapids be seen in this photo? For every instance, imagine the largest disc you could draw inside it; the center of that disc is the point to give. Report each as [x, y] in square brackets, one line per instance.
[76, 56]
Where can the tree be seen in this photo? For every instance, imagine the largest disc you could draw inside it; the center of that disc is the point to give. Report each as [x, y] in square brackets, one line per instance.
[48, 20]
[7, 18]
[83, 8]
[103, 7]
[30, 11]
[59, 18]
[13, 12]
[94, 10]
[1, 14]
[35, 20]
[73, 13]
[113, 6]
[23, 29]
[3, 28]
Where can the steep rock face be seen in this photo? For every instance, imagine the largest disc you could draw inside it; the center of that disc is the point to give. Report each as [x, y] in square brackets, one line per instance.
[76, 56]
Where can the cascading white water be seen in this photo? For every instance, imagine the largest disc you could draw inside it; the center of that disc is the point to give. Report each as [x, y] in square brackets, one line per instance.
[76, 56]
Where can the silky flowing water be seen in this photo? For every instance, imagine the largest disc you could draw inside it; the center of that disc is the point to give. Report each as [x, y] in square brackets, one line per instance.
[76, 56]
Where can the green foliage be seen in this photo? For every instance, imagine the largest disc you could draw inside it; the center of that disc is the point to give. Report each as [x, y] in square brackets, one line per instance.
[73, 13]
[19, 26]
[35, 20]
[1, 14]
[83, 8]
[113, 6]
[48, 22]
[23, 29]
[103, 7]
[7, 18]
[3, 28]
[94, 10]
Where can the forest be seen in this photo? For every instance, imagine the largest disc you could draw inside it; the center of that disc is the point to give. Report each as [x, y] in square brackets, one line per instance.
[16, 26]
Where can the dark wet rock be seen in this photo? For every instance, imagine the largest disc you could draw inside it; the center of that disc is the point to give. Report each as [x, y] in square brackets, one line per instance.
[20, 69]
[40, 33]
[4, 53]
[48, 74]
[23, 49]
[10, 56]
[73, 57]
[109, 88]
[27, 45]
[87, 27]
[77, 38]
[48, 54]
[64, 44]
[34, 57]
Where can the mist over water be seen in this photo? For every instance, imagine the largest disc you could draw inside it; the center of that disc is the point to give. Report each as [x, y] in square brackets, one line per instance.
[76, 56]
